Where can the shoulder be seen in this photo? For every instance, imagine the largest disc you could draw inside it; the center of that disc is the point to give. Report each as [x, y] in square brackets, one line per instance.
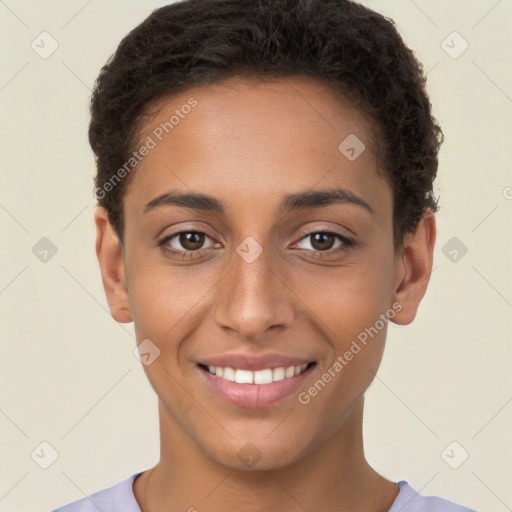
[410, 500]
[107, 500]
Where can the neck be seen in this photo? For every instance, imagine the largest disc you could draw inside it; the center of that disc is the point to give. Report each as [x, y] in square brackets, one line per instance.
[334, 476]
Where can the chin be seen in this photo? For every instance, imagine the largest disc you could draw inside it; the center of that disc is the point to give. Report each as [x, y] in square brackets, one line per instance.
[256, 455]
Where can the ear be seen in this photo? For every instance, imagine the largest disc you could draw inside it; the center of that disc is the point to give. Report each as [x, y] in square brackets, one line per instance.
[110, 257]
[413, 267]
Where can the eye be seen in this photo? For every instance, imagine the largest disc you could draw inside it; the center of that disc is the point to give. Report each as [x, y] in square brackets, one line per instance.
[325, 241]
[191, 243]
[185, 243]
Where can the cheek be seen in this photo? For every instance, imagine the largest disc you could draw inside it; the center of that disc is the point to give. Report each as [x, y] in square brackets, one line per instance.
[347, 309]
[168, 305]
[348, 299]
[348, 305]
[162, 299]
[163, 307]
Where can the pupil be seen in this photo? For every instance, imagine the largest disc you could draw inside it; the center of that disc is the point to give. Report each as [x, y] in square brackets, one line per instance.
[322, 240]
[191, 241]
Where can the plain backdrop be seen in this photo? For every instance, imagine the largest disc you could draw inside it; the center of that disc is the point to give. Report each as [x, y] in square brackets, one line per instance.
[68, 374]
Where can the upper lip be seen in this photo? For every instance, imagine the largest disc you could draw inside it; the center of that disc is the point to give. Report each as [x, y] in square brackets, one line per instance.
[254, 363]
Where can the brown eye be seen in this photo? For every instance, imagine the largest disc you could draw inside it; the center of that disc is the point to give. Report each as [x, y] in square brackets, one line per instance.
[191, 240]
[186, 243]
[322, 241]
[328, 242]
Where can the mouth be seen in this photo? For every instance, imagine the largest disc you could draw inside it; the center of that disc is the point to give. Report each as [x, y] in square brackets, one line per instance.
[263, 385]
[264, 376]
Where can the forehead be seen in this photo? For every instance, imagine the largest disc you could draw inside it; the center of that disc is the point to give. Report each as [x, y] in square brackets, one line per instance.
[248, 139]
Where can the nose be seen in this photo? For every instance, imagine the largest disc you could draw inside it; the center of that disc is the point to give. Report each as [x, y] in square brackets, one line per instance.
[254, 298]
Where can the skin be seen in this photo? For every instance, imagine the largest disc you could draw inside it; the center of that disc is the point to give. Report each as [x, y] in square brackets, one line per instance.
[249, 144]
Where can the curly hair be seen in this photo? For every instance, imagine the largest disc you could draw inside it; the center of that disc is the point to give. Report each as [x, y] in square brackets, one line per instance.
[354, 50]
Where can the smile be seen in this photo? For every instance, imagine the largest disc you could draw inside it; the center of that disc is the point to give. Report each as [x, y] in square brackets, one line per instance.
[254, 383]
[265, 376]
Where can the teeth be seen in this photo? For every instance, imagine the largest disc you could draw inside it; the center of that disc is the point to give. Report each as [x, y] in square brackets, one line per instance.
[263, 376]
[290, 371]
[244, 377]
[228, 374]
[258, 377]
[278, 374]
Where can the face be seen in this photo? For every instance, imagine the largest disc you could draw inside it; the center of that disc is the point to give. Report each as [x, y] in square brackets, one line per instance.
[264, 280]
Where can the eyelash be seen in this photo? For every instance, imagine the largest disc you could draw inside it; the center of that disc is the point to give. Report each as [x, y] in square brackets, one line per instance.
[347, 244]
[181, 254]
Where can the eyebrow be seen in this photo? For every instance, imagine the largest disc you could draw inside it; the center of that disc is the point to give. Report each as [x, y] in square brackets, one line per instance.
[291, 202]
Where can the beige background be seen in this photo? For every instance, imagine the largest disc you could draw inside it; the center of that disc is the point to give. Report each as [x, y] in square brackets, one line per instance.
[68, 374]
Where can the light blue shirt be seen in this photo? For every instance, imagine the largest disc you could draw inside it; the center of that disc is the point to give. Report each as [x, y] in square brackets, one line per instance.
[120, 498]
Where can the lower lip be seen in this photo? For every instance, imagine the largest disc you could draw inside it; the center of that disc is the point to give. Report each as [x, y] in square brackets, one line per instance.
[254, 395]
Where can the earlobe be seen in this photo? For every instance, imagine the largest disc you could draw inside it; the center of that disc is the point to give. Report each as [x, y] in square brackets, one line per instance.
[413, 268]
[110, 259]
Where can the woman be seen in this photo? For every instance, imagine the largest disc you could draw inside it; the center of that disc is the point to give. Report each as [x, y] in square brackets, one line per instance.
[264, 181]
